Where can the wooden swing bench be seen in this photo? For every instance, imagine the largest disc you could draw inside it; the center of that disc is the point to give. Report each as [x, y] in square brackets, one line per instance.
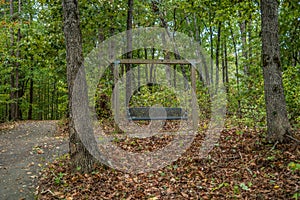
[159, 113]
[143, 113]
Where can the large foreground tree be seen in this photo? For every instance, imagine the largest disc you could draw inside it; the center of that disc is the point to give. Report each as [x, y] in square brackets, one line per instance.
[277, 118]
[80, 157]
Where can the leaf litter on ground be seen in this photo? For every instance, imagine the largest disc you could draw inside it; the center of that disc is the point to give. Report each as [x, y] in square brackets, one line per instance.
[241, 166]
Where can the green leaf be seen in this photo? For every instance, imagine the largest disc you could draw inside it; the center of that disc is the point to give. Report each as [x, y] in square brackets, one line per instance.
[244, 186]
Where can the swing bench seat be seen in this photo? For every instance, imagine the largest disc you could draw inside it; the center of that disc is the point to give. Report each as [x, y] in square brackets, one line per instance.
[159, 113]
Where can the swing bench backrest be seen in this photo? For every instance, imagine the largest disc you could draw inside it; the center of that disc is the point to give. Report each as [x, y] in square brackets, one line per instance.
[156, 113]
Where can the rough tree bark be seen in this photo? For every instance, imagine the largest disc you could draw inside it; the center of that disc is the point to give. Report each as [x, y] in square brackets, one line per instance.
[14, 76]
[277, 120]
[80, 157]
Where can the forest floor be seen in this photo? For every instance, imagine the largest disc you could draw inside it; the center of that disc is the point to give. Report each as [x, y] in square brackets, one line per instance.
[25, 148]
[242, 165]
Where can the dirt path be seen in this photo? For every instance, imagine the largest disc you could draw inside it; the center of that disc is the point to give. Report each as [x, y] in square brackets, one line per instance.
[24, 150]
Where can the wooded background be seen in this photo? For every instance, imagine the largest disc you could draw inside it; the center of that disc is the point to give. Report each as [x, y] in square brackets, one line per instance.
[33, 81]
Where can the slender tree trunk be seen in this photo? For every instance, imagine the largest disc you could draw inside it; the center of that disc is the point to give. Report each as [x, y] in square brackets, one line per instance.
[129, 50]
[15, 112]
[166, 53]
[19, 92]
[199, 54]
[211, 54]
[139, 69]
[80, 157]
[164, 23]
[244, 46]
[13, 105]
[167, 57]
[152, 66]
[30, 95]
[53, 99]
[48, 100]
[249, 42]
[226, 65]
[236, 72]
[174, 76]
[39, 97]
[43, 102]
[31, 82]
[217, 54]
[223, 61]
[226, 79]
[146, 67]
[197, 32]
[277, 119]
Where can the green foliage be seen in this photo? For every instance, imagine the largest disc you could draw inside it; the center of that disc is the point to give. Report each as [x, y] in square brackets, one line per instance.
[43, 55]
[296, 196]
[294, 166]
[243, 186]
[203, 99]
[291, 82]
[156, 95]
[59, 178]
[250, 95]
[41, 60]
[223, 184]
[103, 97]
[289, 32]
[236, 190]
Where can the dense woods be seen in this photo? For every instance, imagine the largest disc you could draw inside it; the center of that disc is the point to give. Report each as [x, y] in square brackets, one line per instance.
[33, 64]
[250, 47]
[33, 52]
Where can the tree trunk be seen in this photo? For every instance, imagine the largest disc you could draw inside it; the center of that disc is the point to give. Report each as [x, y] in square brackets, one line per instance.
[199, 53]
[146, 67]
[218, 53]
[139, 69]
[19, 92]
[244, 46]
[80, 157]
[53, 100]
[129, 50]
[225, 75]
[167, 57]
[13, 114]
[237, 73]
[152, 65]
[211, 54]
[277, 121]
[164, 23]
[249, 42]
[30, 95]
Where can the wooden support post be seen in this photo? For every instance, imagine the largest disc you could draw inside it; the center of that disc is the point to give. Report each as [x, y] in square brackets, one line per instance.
[194, 98]
[116, 93]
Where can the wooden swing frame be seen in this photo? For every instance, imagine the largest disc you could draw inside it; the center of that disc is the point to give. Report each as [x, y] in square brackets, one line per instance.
[142, 113]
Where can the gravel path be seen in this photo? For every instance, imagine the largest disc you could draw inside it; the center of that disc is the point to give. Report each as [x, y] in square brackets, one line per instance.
[24, 150]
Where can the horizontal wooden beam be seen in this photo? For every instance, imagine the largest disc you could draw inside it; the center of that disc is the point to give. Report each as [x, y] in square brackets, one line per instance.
[156, 61]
